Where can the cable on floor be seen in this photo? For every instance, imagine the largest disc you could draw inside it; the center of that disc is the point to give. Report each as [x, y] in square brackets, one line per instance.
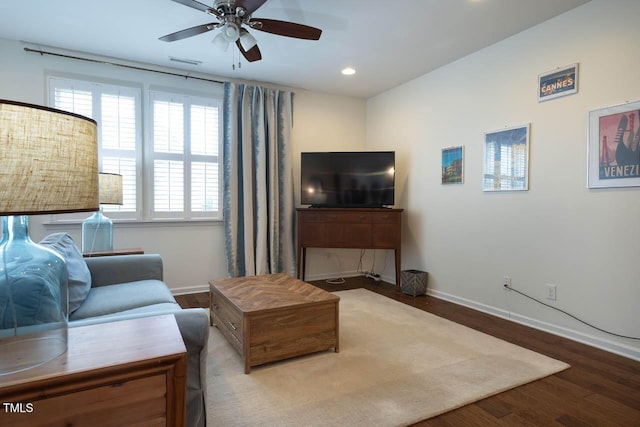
[571, 315]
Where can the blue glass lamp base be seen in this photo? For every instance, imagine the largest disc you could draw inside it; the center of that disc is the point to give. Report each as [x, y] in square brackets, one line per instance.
[33, 301]
[97, 234]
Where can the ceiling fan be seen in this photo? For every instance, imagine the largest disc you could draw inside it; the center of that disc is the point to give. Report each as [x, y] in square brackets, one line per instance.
[233, 17]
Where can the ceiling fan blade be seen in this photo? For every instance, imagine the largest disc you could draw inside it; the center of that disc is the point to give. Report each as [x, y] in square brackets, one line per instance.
[284, 28]
[249, 5]
[194, 4]
[250, 55]
[189, 32]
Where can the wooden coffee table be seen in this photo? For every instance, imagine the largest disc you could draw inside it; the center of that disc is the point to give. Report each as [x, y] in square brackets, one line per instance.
[273, 317]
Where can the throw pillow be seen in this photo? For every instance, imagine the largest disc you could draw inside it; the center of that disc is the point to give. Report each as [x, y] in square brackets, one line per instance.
[79, 275]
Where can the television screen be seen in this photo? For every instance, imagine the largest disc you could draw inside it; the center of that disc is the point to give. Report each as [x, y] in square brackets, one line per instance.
[348, 179]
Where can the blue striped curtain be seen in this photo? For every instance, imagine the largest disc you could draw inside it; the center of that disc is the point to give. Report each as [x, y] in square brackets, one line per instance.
[258, 202]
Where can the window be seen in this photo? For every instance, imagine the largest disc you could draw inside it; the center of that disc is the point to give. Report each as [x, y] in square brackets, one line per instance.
[173, 173]
[117, 112]
[185, 155]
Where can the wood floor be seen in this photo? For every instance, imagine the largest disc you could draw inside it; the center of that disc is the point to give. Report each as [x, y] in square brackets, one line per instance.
[600, 388]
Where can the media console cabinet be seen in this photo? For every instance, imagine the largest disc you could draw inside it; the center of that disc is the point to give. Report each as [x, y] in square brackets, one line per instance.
[353, 228]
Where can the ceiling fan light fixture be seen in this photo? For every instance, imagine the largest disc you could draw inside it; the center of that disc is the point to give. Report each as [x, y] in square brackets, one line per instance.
[247, 40]
[221, 42]
[232, 16]
[231, 31]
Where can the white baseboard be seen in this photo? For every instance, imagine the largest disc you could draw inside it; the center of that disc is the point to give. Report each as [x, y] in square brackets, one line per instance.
[598, 342]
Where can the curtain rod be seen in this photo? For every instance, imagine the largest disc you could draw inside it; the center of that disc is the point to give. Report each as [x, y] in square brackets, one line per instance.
[97, 61]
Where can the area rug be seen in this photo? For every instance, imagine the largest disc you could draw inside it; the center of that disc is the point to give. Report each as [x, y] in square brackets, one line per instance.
[397, 365]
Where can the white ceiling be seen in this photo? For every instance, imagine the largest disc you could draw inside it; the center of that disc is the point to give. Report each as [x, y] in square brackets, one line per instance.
[389, 42]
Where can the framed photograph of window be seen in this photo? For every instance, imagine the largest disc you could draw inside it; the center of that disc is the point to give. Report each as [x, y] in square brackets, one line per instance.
[506, 159]
[614, 146]
[453, 165]
[559, 82]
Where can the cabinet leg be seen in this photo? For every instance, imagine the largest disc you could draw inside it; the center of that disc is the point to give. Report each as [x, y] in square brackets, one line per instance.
[398, 273]
[304, 262]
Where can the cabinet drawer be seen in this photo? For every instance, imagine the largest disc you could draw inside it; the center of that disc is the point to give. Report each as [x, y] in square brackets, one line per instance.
[313, 234]
[229, 321]
[348, 217]
[386, 236]
[231, 338]
[312, 217]
[126, 403]
[386, 218]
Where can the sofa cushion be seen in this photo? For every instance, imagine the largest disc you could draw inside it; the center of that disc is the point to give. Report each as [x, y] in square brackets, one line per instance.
[79, 277]
[110, 299]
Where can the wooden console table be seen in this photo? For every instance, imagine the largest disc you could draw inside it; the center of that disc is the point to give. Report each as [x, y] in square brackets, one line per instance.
[129, 372]
[357, 228]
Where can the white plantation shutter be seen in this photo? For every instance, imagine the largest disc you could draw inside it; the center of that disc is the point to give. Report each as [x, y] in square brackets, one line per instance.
[204, 186]
[116, 109]
[168, 180]
[178, 178]
[204, 130]
[67, 98]
[168, 127]
[186, 143]
[118, 145]
[127, 168]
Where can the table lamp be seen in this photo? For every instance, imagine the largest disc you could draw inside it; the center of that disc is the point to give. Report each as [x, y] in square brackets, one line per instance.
[97, 230]
[48, 165]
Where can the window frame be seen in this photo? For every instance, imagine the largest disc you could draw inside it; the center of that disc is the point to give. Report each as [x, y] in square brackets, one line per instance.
[97, 89]
[144, 212]
[186, 156]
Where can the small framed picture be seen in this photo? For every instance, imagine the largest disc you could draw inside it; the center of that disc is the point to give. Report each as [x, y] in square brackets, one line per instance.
[614, 146]
[506, 159]
[453, 165]
[559, 82]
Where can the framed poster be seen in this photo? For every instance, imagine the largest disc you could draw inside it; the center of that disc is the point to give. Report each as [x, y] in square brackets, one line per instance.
[614, 146]
[559, 82]
[506, 159]
[453, 165]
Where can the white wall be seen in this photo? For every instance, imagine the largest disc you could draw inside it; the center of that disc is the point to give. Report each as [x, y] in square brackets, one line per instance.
[193, 253]
[331, 124]
[587, 242]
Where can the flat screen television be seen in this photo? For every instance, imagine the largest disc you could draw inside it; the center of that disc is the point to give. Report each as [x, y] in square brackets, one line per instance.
[349, 179]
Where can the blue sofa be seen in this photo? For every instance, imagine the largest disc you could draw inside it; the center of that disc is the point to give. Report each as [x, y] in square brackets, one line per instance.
[128, 286]
[112, 288]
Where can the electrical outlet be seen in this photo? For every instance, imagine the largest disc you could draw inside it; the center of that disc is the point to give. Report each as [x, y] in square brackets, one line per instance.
[506, 282]
[550, 292]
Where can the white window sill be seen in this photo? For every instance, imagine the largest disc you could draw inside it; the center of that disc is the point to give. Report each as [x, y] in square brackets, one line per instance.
[139, 224]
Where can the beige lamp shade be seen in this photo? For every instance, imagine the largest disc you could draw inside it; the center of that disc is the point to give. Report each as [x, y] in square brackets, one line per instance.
[110, 188]
[48, 160]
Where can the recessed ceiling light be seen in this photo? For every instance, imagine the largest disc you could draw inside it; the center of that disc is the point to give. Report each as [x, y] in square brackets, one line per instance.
[349, 71]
